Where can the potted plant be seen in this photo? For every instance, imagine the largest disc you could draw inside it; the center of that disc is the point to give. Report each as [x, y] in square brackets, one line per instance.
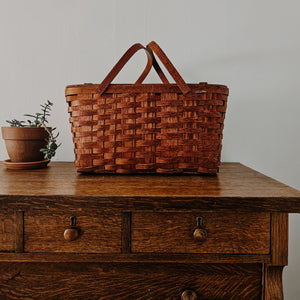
[31, 142]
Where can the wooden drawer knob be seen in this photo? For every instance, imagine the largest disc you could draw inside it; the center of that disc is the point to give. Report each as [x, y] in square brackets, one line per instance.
[189, 295]
[200, 234]
[71, 234]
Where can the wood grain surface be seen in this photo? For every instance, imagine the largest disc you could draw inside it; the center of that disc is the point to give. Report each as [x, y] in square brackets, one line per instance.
[236, 187]
[19, 231]
[129, 281]
[226, 233]
[98, 234]
[7, 230]
[134, 257]
[136, 234]
[279, 239]
[273, 289]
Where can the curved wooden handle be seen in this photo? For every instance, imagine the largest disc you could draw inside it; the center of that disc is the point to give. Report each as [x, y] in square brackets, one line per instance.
[151, 47]
[157, 68]
[169, 66]
[121, 63]
[189, 295]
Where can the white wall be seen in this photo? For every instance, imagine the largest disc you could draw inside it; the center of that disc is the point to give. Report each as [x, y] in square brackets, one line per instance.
[252, 46]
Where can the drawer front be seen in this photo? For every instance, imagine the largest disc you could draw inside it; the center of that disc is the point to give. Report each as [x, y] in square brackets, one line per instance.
[225, 233]
[97, 233]
[110, 281]
[7, 231]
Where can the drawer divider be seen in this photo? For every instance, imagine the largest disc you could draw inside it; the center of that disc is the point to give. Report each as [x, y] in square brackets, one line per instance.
[126, 232]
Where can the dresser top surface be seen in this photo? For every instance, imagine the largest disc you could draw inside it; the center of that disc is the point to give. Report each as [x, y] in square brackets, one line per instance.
[61, 178]
[235, 188]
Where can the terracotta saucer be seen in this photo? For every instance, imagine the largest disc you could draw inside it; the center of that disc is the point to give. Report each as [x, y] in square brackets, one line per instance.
[26, 165]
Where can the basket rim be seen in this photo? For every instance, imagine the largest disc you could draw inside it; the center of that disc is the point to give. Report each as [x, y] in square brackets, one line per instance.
[145, 87]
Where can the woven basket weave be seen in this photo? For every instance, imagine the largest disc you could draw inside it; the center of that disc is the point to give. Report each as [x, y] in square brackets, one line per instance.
[147, 128]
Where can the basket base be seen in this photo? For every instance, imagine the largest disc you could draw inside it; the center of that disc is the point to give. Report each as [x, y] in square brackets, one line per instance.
[199, 171]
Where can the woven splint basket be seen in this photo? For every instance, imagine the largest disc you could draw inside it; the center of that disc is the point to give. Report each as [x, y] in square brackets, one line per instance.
[147, 128]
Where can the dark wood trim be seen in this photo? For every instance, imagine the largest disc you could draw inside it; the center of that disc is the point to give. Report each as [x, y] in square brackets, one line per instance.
[238, 204]
[143, 258]
[126, 232]
[273, 288]
[279, 238]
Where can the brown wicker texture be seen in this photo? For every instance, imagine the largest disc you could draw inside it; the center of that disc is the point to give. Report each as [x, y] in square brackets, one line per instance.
[147, 128]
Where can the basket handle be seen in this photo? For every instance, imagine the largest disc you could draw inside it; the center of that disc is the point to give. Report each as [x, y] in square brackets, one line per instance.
[169, 66]
[124, 59]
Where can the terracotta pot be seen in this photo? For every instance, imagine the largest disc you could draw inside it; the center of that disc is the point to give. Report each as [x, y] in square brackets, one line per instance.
[24, 143]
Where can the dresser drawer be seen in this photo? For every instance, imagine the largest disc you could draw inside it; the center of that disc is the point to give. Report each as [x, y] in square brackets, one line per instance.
[7, 231]
[232, 233]
[136, 281]
[97, 233]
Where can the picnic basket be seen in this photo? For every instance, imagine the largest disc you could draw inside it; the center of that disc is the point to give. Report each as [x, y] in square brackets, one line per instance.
[147, 128]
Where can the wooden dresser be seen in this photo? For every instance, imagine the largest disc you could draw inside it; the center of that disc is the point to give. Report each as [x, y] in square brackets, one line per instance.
[65, 235]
